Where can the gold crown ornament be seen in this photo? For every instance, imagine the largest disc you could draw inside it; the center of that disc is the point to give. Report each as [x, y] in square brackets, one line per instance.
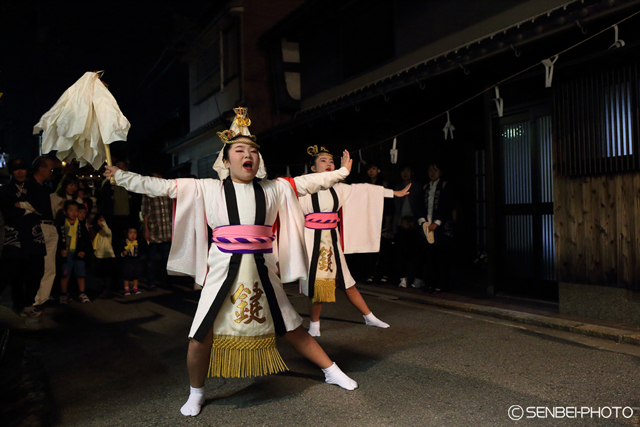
[240, 126]
[315, 151]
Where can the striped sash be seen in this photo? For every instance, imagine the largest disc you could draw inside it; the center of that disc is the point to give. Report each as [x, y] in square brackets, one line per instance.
[321, 220]
[244, 239]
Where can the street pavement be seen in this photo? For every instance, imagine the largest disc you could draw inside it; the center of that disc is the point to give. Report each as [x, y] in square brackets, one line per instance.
[121, 362]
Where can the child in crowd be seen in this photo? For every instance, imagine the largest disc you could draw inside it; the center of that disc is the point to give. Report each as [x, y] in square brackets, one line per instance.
[82, 215]
[73, 246]
[103, 251]
[131, 262]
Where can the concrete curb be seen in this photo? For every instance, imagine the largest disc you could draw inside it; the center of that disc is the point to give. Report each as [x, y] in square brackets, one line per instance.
[574, 326]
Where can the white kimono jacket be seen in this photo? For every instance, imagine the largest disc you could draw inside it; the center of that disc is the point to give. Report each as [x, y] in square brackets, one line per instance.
[204, 202]
[362, 206]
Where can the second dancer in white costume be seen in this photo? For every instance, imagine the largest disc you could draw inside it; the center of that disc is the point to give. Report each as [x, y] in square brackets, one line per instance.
[361, 206]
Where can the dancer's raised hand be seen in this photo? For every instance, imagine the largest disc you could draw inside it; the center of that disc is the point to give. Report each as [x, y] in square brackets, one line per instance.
[403, 192]
[346, 160]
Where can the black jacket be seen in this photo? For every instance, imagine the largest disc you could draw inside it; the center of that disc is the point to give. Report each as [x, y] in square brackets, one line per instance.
[83, 240]
[23, 234]
[442, 209]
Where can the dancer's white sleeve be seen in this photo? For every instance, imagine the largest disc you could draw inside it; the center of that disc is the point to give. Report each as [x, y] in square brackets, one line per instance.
[151, 186]
[314, 182]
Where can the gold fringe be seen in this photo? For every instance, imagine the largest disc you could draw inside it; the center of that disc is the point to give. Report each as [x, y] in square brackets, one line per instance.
[325, 290]
[239, 357]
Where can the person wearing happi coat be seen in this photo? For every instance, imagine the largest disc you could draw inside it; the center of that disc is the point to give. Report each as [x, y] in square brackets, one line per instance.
[362, 207]
[242, 306]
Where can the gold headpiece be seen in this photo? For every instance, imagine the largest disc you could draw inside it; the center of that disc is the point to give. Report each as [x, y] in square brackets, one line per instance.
[241, 117]
[314, 151]
[240, 126]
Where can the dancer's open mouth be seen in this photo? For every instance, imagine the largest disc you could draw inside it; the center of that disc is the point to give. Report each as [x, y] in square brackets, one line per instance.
[247, 165]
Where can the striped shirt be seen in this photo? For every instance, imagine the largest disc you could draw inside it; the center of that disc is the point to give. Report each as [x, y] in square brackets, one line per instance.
[159, 214]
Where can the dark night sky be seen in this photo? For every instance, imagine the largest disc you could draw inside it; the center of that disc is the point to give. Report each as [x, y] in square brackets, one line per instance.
[46, 45]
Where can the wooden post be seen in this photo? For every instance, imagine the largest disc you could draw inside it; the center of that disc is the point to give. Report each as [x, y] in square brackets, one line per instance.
[107, 150]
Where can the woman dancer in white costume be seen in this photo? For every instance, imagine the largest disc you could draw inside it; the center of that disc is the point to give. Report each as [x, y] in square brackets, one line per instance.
[242, 306]
[361, 206]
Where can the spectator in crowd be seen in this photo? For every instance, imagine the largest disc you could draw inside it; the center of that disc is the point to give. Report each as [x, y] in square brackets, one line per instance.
[131, 264]
[24, 245]
[67, 190]
[82, 215]
[157, 214]
[74, 247]
[39, 196]
[439, 220]
[378, 264]
[104, 265]
[84, 194]
[407, 211]
[115, 204]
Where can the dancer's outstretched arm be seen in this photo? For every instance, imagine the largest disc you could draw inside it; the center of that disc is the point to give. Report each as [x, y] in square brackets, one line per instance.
[151, 186]
[314, 182]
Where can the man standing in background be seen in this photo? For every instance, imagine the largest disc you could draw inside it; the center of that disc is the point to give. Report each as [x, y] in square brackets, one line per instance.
[24, 247]
[38, 196]
[158, 223]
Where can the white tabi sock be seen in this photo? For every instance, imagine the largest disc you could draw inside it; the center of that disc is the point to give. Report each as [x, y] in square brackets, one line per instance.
[371, 320]
[194, 403]
[334, 375]
[314, 328]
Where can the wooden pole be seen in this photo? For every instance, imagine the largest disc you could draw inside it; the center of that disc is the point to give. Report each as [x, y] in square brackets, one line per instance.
[107, 150]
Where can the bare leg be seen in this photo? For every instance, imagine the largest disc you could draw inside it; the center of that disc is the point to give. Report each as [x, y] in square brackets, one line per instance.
[308, 347]
[198, 357]
[316, 309]
[64, 282]
[126, 285]
[314, 325]
[356, 300]
[304, 344]
[80, 281]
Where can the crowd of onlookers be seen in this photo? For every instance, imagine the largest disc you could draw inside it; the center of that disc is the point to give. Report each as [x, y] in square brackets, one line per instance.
[71, 239]
[417, 233]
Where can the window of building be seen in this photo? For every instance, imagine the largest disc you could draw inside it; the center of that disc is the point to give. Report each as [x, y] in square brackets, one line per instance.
[596, 123]
[217, 64]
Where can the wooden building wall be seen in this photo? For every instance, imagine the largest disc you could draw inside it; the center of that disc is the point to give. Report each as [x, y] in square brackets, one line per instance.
[597, 226]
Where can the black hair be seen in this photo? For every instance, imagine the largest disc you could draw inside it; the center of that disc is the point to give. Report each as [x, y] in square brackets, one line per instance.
[68, 203]
[312, 161]
[39, 162]
[438, 164]
[67, 179]
[227, 146]
[81, 206]
[94, 221]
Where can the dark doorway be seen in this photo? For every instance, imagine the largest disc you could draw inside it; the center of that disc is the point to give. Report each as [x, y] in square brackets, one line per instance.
[525, 242]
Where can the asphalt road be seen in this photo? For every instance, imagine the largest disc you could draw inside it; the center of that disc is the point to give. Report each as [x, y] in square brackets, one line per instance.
[121, 362]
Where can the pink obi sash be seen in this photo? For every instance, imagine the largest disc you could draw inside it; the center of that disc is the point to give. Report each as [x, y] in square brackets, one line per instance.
[244, 239]
[321, 220]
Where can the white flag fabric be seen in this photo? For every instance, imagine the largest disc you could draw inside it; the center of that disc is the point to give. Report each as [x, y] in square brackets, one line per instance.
[85, 118]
